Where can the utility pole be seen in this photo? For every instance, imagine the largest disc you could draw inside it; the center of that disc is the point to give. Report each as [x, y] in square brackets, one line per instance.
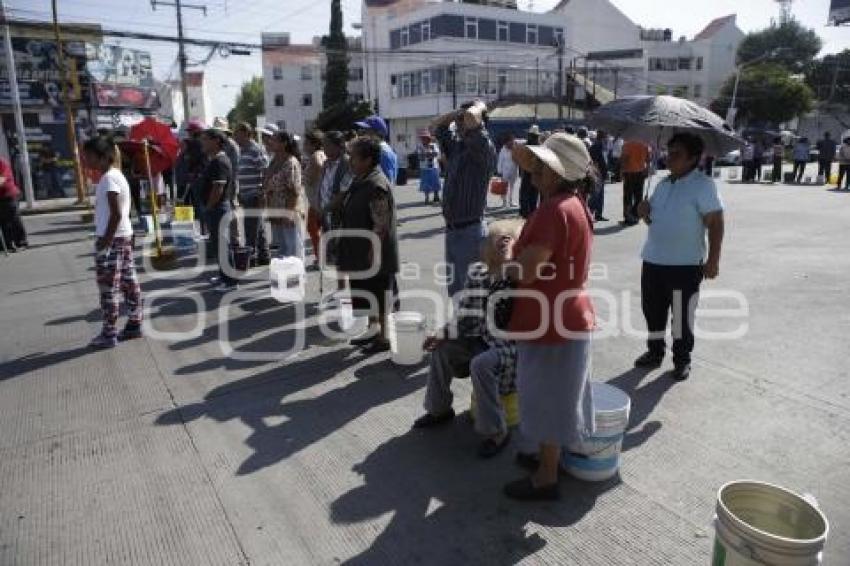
[181, 48]
[454, 85]
[537, 84]
[16, 104]
[560, 86]
[70, 125]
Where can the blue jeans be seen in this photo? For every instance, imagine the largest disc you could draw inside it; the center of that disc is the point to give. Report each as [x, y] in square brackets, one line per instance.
[596, 202]
[290, 239]
[463, 248]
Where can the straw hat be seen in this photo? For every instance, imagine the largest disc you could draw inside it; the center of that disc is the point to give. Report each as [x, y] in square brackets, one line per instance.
[564, 154]
[221, 124]
[534, 129]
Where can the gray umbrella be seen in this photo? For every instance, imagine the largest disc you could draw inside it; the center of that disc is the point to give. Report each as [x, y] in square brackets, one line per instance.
[655, 119]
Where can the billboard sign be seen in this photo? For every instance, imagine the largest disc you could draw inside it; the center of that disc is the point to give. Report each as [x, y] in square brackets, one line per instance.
[37, 67]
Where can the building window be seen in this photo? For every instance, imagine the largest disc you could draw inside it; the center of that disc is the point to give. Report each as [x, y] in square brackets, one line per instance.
[663, 63]
[684, 63]
[559, 37]
[471, 85]
[277, 72]
[306, 73]
[281, 124]
[426, 31]
[681, 91]
[502, 33]
[405, 37]
[531, 83]
[471, 28]
[278, 100]
[426, 82]
[307, 99]
[697, 91]
[699, 63]
[531, 34]
[405, 86]
[502, 82]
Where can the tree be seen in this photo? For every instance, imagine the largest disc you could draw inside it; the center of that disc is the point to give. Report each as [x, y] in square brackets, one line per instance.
[249, 103]
[767, 94]
[790, 45]
[336, 52]
[343, 116]
[829, 78]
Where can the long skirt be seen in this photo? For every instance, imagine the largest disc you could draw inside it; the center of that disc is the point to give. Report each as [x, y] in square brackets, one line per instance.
[555, 400]
[429, 180]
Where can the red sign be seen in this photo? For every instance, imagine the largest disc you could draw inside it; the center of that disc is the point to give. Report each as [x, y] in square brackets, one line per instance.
[126, 96]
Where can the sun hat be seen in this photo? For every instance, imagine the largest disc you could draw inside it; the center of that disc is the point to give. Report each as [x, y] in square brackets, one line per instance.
[564, 154]
[534, 129]
[221, 124]
[269, 130]
[374, 123]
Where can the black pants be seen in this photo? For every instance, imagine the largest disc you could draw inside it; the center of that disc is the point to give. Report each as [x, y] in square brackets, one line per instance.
[255, 229]
[665, 288]
[632, 194]
[777, 170]
[799, 169]
[11, 223]
[825, 168]
[528, 199]
[843, 172]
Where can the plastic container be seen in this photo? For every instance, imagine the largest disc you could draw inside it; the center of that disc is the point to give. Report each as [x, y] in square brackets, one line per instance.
[338, 316]
[287, 277]
[183, 233]
[759, 523]
[407, 334]
[597, 457]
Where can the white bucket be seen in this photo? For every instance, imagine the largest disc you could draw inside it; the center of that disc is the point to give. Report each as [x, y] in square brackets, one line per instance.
[759, 523]
[338, 316]
[183, 233]
[407, 334]
[287, 277]
[597, 458]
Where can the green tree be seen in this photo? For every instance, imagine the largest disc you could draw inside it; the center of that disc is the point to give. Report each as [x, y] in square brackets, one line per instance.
[249, 103]
[336, 51]
[767, 94]
[343, 116]
[790, 45]
[829, 78]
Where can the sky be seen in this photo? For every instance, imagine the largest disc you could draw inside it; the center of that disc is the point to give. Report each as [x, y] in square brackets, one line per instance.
[245, 20]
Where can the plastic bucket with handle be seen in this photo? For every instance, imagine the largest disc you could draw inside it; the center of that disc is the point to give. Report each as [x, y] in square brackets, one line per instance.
[597, 457]
[407, 334]
[759, 523]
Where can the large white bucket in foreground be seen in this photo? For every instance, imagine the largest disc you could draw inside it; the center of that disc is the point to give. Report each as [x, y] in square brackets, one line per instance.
[287, 278]
[407, 333]
[597, 457]
[759, 523]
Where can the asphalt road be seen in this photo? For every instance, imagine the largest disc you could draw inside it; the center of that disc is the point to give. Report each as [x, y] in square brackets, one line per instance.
[204, 444]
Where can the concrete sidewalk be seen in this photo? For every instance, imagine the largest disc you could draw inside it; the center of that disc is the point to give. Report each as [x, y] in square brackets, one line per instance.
[195, 449]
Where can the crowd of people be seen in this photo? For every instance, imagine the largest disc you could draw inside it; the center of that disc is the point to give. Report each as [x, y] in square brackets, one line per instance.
[524, 319]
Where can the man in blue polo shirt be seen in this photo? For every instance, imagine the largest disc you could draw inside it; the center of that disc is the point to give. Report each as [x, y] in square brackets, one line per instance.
[683, 209]
[376, 127]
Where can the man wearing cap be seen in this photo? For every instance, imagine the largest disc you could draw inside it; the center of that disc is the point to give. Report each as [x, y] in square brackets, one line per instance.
[471, 160]
[683, 208]
[252, 167]
[376, 127]
[216, 186]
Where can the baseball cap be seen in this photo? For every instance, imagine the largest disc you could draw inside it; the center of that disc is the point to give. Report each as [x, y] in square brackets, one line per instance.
[375, 123]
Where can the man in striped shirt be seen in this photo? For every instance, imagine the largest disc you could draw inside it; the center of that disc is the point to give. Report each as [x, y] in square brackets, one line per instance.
[250, 170]
[471, 159]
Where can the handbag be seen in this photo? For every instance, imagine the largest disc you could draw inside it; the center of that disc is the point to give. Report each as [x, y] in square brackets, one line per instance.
[498, 186]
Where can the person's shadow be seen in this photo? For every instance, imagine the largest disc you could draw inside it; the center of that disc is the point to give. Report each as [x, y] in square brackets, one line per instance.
[261, 399]
[447, 506]
[644, 400]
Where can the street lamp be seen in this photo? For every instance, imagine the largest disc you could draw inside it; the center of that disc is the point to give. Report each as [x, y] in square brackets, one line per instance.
[733, 108]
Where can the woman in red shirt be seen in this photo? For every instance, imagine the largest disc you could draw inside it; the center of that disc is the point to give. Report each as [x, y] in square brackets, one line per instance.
[552, 316]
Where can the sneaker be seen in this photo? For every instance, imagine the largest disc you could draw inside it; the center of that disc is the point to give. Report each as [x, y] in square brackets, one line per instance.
[649, 360]
[130, 332]
[103, 342]
[681, 371]
[430, 421]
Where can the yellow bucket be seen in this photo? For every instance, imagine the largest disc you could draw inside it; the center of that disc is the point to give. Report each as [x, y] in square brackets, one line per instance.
[833, 179]
[184, 213]
[510, 403]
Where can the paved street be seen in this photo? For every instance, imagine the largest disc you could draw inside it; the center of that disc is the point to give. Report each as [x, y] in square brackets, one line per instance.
[175, 450]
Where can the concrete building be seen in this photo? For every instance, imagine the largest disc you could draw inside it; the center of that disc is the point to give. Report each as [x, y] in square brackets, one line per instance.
[425, 56]
[200, 106]
[294, 77]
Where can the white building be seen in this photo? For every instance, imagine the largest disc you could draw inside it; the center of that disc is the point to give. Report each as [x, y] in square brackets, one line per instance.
[293, 80]
[171, 98]
[424, 56]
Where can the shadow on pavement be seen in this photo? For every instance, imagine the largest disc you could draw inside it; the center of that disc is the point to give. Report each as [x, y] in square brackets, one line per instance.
[447, 506]
[644, 401]
[34, 362]
[257, 399]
